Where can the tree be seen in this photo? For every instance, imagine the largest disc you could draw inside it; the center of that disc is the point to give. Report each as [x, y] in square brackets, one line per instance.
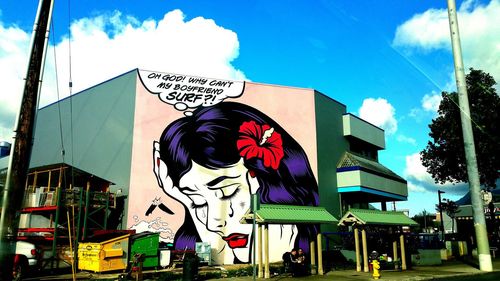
[425, 220]
[450, 208]
[444, 155]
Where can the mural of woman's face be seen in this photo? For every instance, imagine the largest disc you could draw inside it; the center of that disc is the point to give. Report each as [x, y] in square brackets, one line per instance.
[219, 199]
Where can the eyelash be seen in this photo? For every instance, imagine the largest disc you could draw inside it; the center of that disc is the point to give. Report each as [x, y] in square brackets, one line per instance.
[232, 195]
[224, 198]
[193, 206]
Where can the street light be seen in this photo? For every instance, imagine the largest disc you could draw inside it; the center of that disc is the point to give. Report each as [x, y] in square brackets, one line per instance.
[441, 214]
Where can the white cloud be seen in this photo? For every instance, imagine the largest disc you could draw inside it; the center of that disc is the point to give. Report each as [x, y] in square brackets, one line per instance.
[428, 30]
[416, 174]
[403, 138]
[412, 187]
[380, 113]
[479, 27]
[14, 44]
[431, 102]
[415, 170]
[429, 107]
[105, 46]
[415, 113]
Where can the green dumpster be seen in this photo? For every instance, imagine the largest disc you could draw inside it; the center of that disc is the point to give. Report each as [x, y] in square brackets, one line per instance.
[146, 243]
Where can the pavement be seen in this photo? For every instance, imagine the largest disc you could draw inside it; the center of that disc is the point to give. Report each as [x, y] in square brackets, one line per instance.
[450, 270]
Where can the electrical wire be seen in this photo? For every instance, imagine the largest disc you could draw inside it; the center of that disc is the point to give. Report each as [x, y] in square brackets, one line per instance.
[70, 84]
[58, 95]
[61, 135]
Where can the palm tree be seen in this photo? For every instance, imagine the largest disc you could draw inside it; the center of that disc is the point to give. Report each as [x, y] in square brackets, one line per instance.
[450, 208]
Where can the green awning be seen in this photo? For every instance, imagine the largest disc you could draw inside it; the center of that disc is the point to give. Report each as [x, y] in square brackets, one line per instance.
[289, 214]
[376, 217]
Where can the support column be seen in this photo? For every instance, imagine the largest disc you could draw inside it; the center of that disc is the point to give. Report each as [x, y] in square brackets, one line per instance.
[403, 255]
[356, 244]
[267, 272]
[259, 251]
[365, 251]
[312, 250]
[395, 253]
[320, 255]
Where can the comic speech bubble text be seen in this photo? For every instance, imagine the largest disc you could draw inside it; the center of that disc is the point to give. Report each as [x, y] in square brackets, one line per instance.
[186, 93]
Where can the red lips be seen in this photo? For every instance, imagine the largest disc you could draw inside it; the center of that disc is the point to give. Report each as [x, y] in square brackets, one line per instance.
[236, 240]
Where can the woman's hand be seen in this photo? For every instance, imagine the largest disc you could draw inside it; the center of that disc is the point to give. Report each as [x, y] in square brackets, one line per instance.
[164, 180]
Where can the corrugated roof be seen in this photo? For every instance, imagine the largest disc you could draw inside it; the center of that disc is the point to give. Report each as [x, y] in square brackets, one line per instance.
[352, 160]
[290, 214]
[376, 217]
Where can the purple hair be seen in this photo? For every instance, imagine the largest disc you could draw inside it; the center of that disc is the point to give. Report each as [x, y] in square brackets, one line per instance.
[209, 137]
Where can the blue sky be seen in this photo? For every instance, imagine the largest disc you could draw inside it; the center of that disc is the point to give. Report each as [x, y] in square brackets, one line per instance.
[387, 61]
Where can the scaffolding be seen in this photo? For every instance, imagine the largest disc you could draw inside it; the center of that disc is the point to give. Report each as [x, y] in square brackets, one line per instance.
[54, 205]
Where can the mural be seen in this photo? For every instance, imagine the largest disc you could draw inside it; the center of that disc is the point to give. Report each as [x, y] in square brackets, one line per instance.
[212, 160]
[186, 93]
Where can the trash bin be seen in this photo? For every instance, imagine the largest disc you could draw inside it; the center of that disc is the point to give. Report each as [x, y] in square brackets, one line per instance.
[165, 254]
[190, 267]
[147, 244]
[108, 255]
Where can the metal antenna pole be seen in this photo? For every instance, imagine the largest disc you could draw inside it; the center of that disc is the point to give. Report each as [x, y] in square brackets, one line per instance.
[483, 248]
[19, 161]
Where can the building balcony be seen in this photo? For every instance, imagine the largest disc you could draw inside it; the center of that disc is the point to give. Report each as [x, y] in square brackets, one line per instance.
[357, 128]
[363, 180]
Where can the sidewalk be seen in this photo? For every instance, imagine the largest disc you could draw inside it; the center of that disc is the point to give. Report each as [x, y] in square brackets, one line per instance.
[451, 270]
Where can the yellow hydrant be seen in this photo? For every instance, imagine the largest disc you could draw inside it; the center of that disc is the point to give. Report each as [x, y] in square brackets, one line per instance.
[376, 271]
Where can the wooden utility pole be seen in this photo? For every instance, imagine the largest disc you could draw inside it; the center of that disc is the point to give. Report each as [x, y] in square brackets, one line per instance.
[20, 155]
[483, 248]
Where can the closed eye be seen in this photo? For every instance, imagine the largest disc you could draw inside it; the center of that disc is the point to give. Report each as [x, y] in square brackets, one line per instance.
[229, 191]
[194, 206]
[217, 180]
[231, 195]
[197, 201]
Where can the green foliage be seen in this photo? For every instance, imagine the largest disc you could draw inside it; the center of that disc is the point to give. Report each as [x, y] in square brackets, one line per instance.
[425, 220]
[444, 156]
[449, 207]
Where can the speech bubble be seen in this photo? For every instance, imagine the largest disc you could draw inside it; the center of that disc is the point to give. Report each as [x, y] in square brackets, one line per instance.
[186, 93]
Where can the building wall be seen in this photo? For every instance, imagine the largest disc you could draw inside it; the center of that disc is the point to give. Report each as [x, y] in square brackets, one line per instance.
[186, 210]
[283, 143]
[331, 146]
[97, 128]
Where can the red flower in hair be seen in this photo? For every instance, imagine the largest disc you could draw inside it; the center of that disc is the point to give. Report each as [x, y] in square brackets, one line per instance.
[261, 142]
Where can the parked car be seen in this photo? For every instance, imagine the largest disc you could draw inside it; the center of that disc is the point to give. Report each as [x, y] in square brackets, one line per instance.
[26, 259]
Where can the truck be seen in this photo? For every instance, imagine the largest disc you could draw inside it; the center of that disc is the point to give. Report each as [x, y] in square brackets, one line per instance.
[25, 260]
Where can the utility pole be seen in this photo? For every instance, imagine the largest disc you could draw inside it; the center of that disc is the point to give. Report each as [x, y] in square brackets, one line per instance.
[483, 248]
[424, 212]
[20, 155]
[441, 219]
